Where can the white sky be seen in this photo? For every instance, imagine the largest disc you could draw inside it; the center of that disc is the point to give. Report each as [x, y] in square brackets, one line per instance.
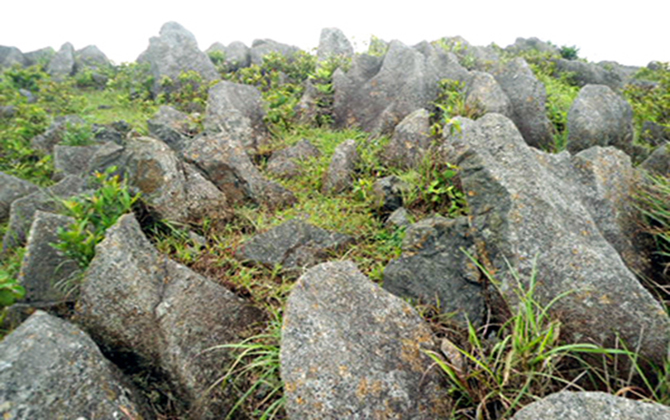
[632, 33]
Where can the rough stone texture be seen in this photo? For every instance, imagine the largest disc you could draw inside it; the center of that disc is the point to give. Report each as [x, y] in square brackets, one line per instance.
[44, 268]
[333, 43]
[90, 57]
[486, 95]
[38, 56]
[285, 163]
[591, 405]
[11, 189]
[398, 219]
[522, 212]
[342, 166]
[175, 51]
[599, 117]
[658, 162]
[434, 268]
[293, 245]
[72, 160]
[262, 47]
[472, 56]
[388, 193]
[170, 126]
[377, 93]
[532, 44]
[583, 74]
[237, 54]
[10, 56]
[410, 141]
[654, 134]
[23, 210]
[225, 163]
[134, 300]
[106, 133]
[528, 97]
[109, 154]
[351, 350]
[46, 141]
[50, 369]
[62, 64]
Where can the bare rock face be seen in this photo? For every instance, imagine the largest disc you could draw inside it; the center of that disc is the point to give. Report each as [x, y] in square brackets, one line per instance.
[351, 350]
[11, 189]
[486, 95]
[339, 176]
[333, 43]
[410, 141]
[285, 163]
[50, 369]
[262, 47]
[62, 64]
[171, 126]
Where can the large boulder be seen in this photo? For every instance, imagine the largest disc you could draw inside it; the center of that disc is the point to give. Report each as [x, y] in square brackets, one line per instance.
[50, 369]
[285, 163]
[410, 141]
[485, 95]
[591, 405]
[10, 56]
[351, 350]
[333, 43]
[262, 47]
[72, 160]
[340, 174]
[527, 217]
[90, 57]
[236, 110]
[136, 302]
[658, 163]
[11, 189]
[532, 44]
[582, 73]
[62, 64]
[41, 56]
[173, 52]
[171, 126]
[236, 55]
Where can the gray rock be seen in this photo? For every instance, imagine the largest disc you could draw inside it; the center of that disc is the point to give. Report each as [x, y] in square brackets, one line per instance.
[486, 95]
[528, 97]
[524, 215]
[236, 55]
[398, 219]
[339, 176]
[46, 141]
[532, 44]
[351, 350]
[236, 110]
[72, 160]
[45, 271]
[11, 189]
[435, 269]
[90, 57]
[225, 163]
[410, 141]
[62, 64]
[51, 369]
[388, 193]
[173, 52]
[107, 155]
[654, 134]
[262, 47]
[583, 74]
[22, 211]
[106, 133]
[294, 245]
[471, 56]
[133, 300]
[170, 126]
[333, 43]
[658, 163]
[7, 111]
[591, 406]
[41, 56]
[285, 163]
[10, 56]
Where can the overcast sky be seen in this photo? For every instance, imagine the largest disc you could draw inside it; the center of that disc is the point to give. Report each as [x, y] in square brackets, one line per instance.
[630, 32]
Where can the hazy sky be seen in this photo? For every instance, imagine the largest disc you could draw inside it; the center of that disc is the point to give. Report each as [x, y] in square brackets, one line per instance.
[631, 32]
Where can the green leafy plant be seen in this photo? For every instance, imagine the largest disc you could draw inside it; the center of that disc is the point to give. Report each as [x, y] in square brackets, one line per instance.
[649, 97]
[10, 290]
[450, 103]
[77, 135]
[188, 93]
[569, 52]
[377, 47]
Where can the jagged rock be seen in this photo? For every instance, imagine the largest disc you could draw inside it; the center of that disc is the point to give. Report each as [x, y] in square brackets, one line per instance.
[72, 160]
[43, 55]
[532, 44]
[333, 43]
[10, 56]
[173, 52]
[226, 164]
[236, 109]
[11, 189]
[91, 57]
[658, 163]
[262, 47]
[170, 126]
[339, 176]
[236, 55]
[46, 141]
[524, 215]
[388, 194]
[44, 269]
[528, 97]
[435, 269]
[351, 350]
[591, 405]
[285, 163]
[398, 219]
[62, 64]
[410, 141]
[486, 95]
[377, 93]
[23, 209]
[133, 300]
[583, 74]
[654, 134]
[599, 117]
[107, 155]
[470, 56]
[106, 133]
[294, 245]
[50, 369]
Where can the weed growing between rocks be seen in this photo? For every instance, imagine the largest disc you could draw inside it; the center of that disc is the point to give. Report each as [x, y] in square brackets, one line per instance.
[649, 96]
[10, 289]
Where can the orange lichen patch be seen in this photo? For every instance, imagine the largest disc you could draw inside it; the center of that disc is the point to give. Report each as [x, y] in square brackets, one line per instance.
[410, 353]
[149, 176]
[344, 371]
[366, 389]
[605, 300]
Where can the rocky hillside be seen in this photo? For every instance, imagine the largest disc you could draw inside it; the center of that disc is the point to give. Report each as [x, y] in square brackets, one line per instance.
[420, 232]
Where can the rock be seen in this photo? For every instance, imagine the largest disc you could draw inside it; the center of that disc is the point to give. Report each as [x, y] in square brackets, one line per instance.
[170, 126]
[107, 155]
[22, 211]
[398, 219]
[525, 216]
[138, 302]
[46, 141]
[106, 133]
[339, 176]
[46, 271]
[528, 97]
[41, 56]
[351, 350]
[236, 55]
[410, 141]
[62, 64]
[599, 117]
[378, 92]
[91, 57]
[11, 189]
[333, 43]
[532, 44]
[388, 193]
[173, 52]
[435, 269]
[72, 160]
[486, 95]
[591, 405]
[285, 163]
[51, 369]
[658, 163]
[262, 47]
[470, 56]
[582, 74]
[10, 56]
[654, 134]
[7, 111]
[294, 245]
[225, 163]
[236, 110]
